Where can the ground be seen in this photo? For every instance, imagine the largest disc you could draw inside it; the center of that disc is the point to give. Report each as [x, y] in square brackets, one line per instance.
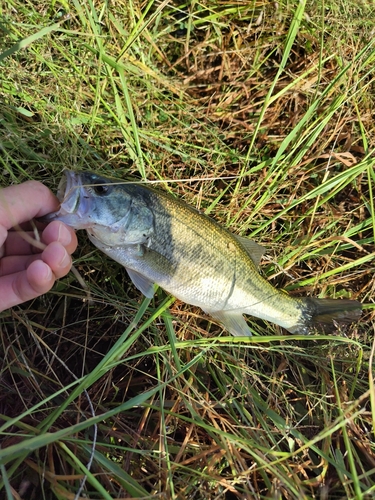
[261, 115]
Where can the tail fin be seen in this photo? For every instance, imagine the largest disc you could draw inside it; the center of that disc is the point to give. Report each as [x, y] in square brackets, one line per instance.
[324, 313]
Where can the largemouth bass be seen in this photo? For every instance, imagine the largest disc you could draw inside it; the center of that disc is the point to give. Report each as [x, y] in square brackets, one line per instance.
[161, 240]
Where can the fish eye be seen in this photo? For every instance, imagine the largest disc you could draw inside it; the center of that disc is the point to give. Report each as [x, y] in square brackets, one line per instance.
[101, 189]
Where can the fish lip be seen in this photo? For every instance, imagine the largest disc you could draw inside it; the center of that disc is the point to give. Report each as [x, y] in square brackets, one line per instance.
[74, 205]
[69, 192]
[65, 185]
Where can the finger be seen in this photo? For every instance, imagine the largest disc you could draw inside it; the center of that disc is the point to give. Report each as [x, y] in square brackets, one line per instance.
[16, 263]
[25, 285]
[53, 256]
[57, 258]
[58, 231]
[22, 202]
[37, 279]
[3, 237]
[15, 244]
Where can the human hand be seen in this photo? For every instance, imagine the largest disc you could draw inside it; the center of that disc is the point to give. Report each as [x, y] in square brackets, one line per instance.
[25, 270]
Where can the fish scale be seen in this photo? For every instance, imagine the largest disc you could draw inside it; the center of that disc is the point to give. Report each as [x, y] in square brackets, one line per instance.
[206, 259]
[162, 240]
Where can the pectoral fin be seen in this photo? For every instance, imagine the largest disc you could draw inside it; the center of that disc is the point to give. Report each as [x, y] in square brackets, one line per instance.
[234, 322]
[143, 284]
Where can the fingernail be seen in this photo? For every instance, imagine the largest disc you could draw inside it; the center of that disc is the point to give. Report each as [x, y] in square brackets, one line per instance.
[64, 236]
[46, 273]
[65, 261]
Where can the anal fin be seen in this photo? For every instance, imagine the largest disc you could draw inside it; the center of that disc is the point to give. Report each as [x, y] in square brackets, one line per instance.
[234, 322]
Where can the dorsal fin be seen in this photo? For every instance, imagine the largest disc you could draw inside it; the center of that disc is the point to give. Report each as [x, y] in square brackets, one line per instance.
[253, 250]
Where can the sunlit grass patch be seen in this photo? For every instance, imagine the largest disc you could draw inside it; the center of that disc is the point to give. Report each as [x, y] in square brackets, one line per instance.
[259, 114]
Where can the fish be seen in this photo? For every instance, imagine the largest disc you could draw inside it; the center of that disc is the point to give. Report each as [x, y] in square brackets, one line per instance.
[161, 240]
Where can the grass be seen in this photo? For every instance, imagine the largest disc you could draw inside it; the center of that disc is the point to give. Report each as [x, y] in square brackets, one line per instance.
[261, 115]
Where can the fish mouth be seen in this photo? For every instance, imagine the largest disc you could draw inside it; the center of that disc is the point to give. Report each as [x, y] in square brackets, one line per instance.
[65, 185]
[69, 192]
[75, 204]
